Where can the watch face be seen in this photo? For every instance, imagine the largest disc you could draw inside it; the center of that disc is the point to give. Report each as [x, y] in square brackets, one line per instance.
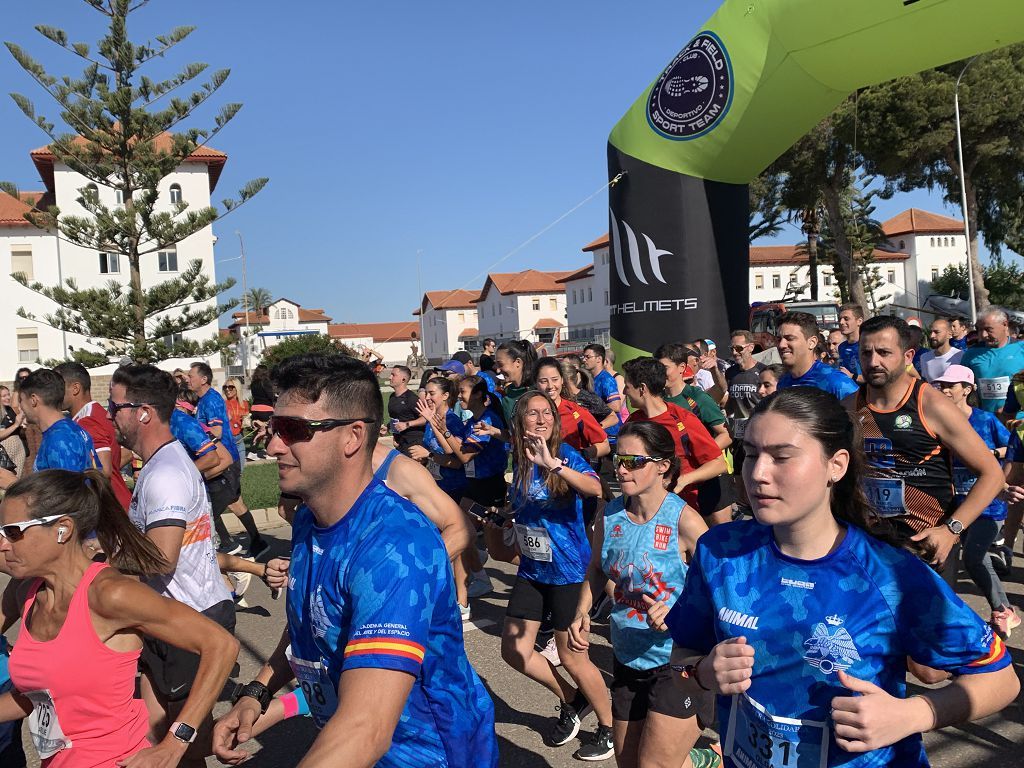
[184, 732]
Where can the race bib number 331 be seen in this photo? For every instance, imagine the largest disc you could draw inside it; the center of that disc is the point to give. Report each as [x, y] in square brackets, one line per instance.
[757, 739]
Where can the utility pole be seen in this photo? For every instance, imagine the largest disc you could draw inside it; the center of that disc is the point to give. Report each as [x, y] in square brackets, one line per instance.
[245, 308]
[963, 195]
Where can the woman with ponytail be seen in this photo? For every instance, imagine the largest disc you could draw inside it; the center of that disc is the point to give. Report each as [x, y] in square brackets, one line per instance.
[75, 662]
[802, 621]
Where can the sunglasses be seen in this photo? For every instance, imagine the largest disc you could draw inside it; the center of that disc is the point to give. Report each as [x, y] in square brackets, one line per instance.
[740, 348]
[228, 386]
[113, 408]
[292, 429]
[16, 531]
[633, 463]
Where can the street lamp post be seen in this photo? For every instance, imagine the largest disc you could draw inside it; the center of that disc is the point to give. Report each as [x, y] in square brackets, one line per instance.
[963, 194]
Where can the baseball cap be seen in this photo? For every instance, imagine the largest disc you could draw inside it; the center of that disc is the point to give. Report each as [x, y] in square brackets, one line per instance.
[711, 344]
[453, 366]
[956, 374]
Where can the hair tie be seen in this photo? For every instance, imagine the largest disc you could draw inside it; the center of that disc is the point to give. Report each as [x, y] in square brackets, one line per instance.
[185, 405]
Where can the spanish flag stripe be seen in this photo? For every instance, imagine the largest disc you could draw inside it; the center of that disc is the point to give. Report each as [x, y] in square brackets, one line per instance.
[995, 653]
[381, 652]
[382, 645]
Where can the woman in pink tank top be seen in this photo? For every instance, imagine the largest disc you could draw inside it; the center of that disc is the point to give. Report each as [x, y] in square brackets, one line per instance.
[74, 663]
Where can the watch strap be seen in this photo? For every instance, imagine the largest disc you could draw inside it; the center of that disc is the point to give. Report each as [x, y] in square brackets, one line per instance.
[254, 690]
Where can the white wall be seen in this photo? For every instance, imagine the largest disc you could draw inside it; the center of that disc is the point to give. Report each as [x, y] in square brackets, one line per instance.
[930, 253]
[586, 301]
[890, 291]
[441, 329]
[551, 306]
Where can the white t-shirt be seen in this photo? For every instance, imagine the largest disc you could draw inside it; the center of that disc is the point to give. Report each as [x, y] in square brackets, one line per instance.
[933, 366]
[704, 379]
[170, 491]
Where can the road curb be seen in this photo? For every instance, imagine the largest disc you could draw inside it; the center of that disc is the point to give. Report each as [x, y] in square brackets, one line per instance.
[266, 519]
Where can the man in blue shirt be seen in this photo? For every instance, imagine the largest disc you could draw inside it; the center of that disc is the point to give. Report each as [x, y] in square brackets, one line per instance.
[226, 489]
[65, 445]
[995, 361]
[797, 345]
[375, 636]
[851, 316]
[593, 357]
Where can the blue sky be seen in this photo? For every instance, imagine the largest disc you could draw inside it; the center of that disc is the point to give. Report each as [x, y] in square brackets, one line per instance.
[456, 130]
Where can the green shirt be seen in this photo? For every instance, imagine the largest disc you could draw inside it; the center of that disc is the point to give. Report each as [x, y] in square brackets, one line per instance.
[699, 403]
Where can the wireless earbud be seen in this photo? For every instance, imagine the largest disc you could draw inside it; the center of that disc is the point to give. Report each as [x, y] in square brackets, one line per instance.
[143, 417]
[61, 532]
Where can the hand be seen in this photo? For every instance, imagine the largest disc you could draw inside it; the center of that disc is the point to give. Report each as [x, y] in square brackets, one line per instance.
[657, 610]
[538, 452]
[166, 754]
[276, 574]
[1012, 494]
[579, 632]
[707, 363]
[847, 371]
[233, 729]
[872, 720]
[401, 426]
[418, 452]
[937, 541]
[483, 428]
[728, 668]
[424, 410]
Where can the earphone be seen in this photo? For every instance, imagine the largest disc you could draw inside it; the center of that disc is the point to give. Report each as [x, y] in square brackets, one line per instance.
[143, 417]
[60, 534]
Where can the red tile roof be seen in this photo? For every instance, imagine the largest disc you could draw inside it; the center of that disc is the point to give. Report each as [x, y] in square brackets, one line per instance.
[527, 281]
[379, 332]
[547, 322]
[12, 211]
[458, 298]
[601, 242]
[786, 255]
[915, 220]
[261, 317]
[469, 333]
[215, 159]
[579, 274]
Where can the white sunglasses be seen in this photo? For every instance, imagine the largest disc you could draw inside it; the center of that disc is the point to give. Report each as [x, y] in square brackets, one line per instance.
[16, 531]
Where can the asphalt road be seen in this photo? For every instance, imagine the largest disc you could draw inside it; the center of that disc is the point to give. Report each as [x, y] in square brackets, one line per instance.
[524, 710]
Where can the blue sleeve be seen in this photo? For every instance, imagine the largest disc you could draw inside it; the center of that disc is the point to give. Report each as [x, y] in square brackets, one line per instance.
[605, 386]
[691, 621]
[1000, 434]
[574, 461]
[65, 451]
[937, 628]
[191, 435]
[843, 385]
[1014, 448]
[473, 441]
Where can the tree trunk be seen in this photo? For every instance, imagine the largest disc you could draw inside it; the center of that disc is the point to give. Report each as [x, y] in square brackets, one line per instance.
[812, 228]
[844, 251]
[980, 291]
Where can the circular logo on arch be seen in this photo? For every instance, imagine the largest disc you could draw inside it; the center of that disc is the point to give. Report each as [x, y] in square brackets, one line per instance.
[694, 92]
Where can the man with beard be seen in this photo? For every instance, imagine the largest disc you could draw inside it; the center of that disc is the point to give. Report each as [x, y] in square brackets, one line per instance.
[910, 431]
[942, 354]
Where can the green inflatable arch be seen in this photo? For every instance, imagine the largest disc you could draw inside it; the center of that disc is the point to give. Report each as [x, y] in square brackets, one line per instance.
[756, 77]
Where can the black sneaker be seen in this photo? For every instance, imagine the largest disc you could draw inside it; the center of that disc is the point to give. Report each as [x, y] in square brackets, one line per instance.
[566, 728]
[229, 546]
[603, 604]
[601, 746]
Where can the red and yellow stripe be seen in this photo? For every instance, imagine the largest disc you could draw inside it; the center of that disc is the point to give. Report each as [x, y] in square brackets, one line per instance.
[996, 651]
[385, 646]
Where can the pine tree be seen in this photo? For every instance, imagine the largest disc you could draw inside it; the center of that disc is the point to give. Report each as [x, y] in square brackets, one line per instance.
[126, 134]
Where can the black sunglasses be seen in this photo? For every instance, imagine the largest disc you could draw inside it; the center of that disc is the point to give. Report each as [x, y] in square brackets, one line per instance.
[292, 429]
[113, 408]
[633, 462]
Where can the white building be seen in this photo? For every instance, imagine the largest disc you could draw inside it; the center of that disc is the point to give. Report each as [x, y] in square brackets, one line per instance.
[394, 342]
[523, 305]
[267, 326]
[39, 254]
[586, 297]
[448, 323]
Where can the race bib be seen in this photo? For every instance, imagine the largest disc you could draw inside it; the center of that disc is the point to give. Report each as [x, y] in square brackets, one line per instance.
[994, 389]
[885, 494]
[435, 470]
[963, 480]
[44, 726]
[470, 468]
[534, 543]
[757, 739]
[316, 686]
[739, 428]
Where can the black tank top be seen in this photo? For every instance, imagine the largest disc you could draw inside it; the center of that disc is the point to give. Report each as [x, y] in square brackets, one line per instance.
[909, 472]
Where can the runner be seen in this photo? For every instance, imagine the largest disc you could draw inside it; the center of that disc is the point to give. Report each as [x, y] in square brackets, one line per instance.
[581, 389]
[594, 356]
[64, 445]
[957, 383]
[84, 624]
[437, 404]
[487, 355]
[515, 360]
[226, 488]
[995, 361]
[942, 354]
[92, 417]
[768, 380]
[238, 411]
[642, 545]
[405, 423]
[680, 390]
[262, 409]
[851, 317]
[710, 363]
[801, 621]
[579, 429]
[12, 425]
[701, 458]
[833, 359]
[798, 340]
[12, 751]
[549, 482]
[170, 505]
[910, 431]
[375, 639]
[958, 327]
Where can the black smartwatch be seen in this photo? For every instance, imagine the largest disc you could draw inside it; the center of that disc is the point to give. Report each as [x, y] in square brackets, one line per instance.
[183, 732]
[255, 690]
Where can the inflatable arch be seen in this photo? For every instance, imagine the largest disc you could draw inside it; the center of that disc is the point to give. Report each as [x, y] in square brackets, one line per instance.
[753, 80]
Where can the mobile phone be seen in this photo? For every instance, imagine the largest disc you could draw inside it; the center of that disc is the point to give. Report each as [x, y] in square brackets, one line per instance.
[480, 512]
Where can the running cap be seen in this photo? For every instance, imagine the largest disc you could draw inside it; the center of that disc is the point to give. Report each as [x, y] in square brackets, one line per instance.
[711, 344]
[956, 374]
[453, 366]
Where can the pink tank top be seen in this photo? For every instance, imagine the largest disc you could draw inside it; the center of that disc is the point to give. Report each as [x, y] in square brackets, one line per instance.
[86, 714]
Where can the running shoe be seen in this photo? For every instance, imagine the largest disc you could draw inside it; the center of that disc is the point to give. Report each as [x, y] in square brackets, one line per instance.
[604, 603]
[465, 611]
[240, 602]
[229, 546]
[1007, 556]
[998, 559]
[480, 585]
[241, 580]
[705, 758]
[566, 728]
[550, 653]
[258, 549]
[601, 746]
[252, 456]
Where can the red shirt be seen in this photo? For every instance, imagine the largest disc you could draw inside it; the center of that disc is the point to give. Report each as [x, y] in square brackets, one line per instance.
[93, 419]
[694, 444]
[579, 427]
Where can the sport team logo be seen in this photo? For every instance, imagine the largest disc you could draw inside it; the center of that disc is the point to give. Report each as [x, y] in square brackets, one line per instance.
[694, 92]
[829, 651]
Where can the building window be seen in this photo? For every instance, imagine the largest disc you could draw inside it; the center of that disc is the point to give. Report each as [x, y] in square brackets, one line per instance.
[28, 345]
[175, 193]
[462, 317]
[500, 307]
[758, 282]
[828, 278]
[284, 313]
[931, 241]
[168, 260]
[118, 197]
[776, 280]
[590, 293]
[110, 263]
[535, 304]
[891, 275]
[492, 310]
[606, 298]
[935, 273]
[21, 261]
[174, 338]
[903, 245]
[553, 304]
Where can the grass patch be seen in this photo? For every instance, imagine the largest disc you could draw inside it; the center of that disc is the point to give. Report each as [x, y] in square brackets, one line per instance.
[259, 485]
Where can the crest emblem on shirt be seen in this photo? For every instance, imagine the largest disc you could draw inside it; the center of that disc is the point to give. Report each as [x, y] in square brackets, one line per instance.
[616, 532]
[903, 421]
[318, 615]
[831, 651]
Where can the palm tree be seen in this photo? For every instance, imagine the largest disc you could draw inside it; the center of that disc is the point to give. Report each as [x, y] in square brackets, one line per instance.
[256, 300]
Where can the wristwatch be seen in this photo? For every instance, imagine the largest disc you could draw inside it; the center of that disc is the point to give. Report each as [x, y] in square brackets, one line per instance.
[689, 672]
[447, 434]
[183, 732]
[255, 690]
[955, 526]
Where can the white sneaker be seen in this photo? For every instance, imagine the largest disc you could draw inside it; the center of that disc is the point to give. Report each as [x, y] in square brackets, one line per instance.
[465, 611]
[242, 580]
[550, 653]
[479, 585]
